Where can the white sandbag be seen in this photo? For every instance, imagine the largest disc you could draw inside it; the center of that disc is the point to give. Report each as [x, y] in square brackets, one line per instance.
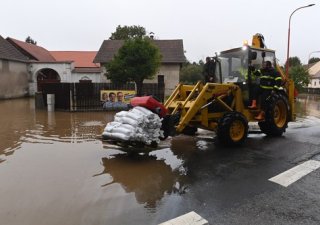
[121, 114]
[120, 130]
[128, 126]
[135, 116]
[117, 136]
[126, 121]
[153, 124]
[112, 125]
[142, 110]
[116, 127]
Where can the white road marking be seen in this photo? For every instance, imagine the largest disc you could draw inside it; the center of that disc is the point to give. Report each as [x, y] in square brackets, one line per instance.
[190, 218]
[292, 175]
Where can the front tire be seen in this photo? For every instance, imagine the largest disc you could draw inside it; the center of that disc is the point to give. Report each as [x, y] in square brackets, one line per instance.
[276, 115]
[232, 129]
[189, 130]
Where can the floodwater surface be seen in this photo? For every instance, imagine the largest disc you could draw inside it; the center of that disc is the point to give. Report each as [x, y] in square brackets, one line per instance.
[54, 169]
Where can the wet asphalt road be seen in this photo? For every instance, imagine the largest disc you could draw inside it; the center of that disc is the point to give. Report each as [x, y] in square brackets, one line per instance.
[53, 170]
[230, 186]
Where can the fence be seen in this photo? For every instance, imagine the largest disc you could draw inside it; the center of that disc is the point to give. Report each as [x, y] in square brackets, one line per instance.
[311, 90]
[86, 96]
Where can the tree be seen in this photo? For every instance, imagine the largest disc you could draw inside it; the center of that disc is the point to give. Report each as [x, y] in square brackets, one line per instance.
[128, 32]
[31, 41]
[294, 61]
[300, 76]
[136, 60]
[191, 73]
[313, 60]
[298, 73]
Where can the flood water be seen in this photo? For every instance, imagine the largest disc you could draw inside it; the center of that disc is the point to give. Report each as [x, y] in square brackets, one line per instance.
[54, 169]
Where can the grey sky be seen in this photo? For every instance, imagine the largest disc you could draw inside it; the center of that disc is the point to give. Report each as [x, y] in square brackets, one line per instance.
[205, 26]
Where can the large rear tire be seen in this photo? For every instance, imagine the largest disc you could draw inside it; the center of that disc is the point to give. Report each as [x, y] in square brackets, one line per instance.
[276, 115]
[232, 129]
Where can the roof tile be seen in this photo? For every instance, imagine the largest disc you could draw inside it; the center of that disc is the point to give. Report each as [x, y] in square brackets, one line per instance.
[80, 58]
[32, 51]
[314, 70]
[8, 51]
[171, 50]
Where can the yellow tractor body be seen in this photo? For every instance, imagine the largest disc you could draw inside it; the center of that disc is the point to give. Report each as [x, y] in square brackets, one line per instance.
[223, 106]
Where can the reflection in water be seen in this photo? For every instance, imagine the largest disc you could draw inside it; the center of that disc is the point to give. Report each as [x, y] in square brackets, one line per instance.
[184, 146]
[146, 176]
[15, 120]
[308, 105]
[22, 123]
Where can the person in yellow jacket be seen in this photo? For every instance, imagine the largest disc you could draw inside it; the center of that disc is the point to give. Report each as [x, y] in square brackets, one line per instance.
[270, 79]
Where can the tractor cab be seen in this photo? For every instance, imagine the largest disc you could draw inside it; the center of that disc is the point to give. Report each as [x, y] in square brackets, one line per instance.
[238, 65]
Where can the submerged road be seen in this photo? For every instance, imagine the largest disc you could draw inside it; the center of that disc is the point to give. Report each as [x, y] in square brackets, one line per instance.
[53, 170]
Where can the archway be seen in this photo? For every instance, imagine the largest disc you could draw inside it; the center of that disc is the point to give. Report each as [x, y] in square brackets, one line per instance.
[45, 76]
[85, 79]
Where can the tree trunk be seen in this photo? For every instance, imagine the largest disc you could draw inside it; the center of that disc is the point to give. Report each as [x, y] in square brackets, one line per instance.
[139, 84]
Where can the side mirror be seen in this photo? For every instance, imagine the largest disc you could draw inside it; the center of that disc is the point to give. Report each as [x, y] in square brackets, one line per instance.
[253, 55]
[263, 54]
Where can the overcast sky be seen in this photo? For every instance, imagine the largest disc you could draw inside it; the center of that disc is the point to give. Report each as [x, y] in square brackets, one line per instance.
[206, 26]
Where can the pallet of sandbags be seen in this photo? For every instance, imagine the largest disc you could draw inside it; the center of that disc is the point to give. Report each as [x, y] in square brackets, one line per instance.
[138, 126]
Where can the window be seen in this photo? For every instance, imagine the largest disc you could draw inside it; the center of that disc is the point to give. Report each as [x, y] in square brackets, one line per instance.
[234, 63]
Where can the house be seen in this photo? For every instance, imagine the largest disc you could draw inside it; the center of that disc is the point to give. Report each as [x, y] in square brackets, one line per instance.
[14, 76]
[172, 58]
[45, 66]
[84, 68]
[314, 72]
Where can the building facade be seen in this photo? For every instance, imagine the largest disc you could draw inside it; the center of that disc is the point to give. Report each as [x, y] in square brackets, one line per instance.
[172, 58]
[14, 75]
[314, 72]
[45, 66]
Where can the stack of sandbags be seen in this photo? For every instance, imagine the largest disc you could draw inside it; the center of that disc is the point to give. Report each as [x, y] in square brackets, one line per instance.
[139, 124]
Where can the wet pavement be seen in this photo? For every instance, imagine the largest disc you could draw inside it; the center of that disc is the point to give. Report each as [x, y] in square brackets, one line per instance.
[54, 169]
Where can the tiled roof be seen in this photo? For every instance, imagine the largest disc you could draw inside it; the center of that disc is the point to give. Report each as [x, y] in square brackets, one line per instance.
[7, 51]
[33, 52]
[80, 58]
[171, 50]
[317, 75]
[314, 70]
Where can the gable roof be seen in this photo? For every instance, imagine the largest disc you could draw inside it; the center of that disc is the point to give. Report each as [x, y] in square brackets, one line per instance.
[82, 59]
[314, 70]
[33, 52]
[7, 51]
[171, 50]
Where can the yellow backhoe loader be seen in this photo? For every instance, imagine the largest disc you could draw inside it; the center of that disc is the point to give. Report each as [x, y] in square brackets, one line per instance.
[223, 107]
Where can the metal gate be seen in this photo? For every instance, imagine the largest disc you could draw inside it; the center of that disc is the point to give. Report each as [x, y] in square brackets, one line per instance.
[86, 96]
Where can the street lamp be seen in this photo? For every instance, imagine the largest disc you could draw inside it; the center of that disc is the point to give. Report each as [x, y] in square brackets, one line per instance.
[287, 66]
